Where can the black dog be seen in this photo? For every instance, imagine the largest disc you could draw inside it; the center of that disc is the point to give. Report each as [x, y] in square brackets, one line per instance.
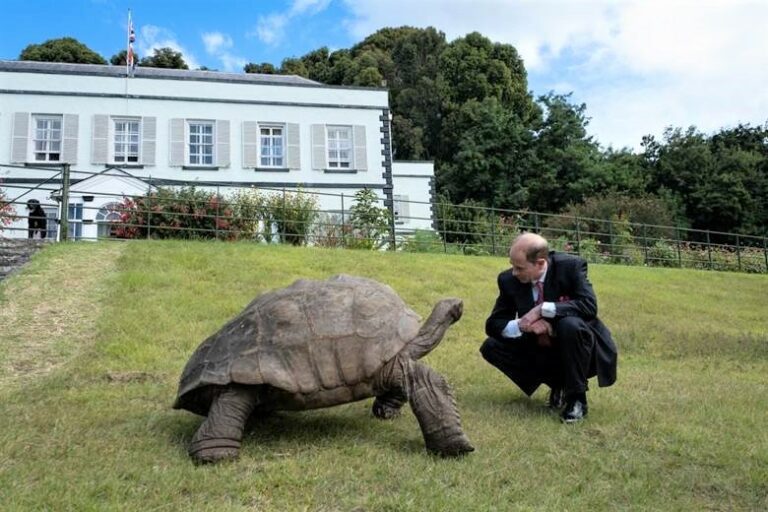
[36, 221]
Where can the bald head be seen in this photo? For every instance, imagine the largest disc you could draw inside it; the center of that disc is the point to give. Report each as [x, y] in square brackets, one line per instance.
[532, 246]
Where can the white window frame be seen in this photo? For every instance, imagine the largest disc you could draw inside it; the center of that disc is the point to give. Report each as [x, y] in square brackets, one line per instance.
[46, 137]
[339, 148]
[75, 224]
[272, 146]
[124, 140]
[107, 216]
[203, 159]
[52, 222]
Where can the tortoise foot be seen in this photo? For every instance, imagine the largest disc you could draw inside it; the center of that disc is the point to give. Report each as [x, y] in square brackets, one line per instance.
[385, 411]
[212, 451]
[454, 446]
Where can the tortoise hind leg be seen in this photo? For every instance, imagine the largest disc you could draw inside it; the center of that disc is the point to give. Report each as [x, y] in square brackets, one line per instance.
[388, 405]
[219, 436]
[435, 408]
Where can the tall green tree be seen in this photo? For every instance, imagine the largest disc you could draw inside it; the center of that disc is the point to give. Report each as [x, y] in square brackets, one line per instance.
[164, 58]
[65, 49]
[565, 154]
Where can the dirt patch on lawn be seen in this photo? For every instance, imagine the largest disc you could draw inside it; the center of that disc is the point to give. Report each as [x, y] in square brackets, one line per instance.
[48, 311]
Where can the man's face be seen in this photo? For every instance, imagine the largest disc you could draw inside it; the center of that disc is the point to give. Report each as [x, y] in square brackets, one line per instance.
[524, 270]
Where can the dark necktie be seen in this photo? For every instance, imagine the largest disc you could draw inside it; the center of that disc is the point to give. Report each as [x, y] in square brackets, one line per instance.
[543, 339]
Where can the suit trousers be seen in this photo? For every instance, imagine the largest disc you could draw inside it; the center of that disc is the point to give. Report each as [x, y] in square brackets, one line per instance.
[567, 364]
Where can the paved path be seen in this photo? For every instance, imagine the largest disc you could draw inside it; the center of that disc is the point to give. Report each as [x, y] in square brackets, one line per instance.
[15, 252]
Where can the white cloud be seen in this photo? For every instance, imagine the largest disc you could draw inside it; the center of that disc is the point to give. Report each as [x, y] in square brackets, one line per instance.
[152, 37]
[639, 65]
[216, 42]
[217, 45]
[270, 29]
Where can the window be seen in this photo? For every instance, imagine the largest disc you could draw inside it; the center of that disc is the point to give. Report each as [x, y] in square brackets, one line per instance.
[52, 222]
[107, 218]
[47, 139]
[75, 225]
[126, 140]
[271, 147]
[200, 143]
[339, 147]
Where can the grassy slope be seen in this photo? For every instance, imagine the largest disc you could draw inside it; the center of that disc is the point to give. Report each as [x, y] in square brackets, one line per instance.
[683, 429]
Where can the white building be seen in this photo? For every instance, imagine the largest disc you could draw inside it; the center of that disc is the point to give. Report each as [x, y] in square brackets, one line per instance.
[175, 127]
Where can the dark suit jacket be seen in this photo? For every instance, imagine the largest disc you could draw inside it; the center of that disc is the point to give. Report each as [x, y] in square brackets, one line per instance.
[566, 284]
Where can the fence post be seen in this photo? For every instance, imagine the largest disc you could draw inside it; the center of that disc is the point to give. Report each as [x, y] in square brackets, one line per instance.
[536, 225]
[578, 237]
[765, 253]
[610, 237]
[738, 253]
[64, 217]
[645, 244]
[709, 251]
[281, 232]
[493, 232]
[679, 254]
[149, 208]
[445, 234]
[343, 227]
[392, 235]
[216, 218]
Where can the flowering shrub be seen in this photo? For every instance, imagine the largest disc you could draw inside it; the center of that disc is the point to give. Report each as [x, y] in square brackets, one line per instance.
[6, 210]
[176, 213]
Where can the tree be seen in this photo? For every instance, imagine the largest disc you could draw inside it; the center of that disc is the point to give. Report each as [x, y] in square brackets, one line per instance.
[65, 49]
[265, 68]
[493, 156]
[565, 156]
[164, 58]
[120, 58]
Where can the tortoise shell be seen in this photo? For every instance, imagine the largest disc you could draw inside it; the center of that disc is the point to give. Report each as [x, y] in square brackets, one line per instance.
[321, 339]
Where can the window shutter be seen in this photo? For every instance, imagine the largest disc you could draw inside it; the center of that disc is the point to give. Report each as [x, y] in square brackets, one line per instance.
[100, 139]
[222, 143]
[318, 147]
[250, 144]
[148, 140]
[293, 146]
[358, 136]
[176, 155]
[20, 137]
[69, 140]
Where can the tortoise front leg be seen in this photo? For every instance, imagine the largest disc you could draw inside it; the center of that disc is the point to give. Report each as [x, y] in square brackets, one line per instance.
[219, 436]
[433, 404]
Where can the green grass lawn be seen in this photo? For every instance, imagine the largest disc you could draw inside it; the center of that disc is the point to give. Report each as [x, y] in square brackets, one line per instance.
[93, 338]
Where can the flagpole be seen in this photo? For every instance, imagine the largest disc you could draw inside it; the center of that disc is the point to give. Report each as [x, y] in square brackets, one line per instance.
[128, 47]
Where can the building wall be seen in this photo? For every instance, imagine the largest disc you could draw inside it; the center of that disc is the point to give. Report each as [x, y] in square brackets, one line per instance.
[164, 95]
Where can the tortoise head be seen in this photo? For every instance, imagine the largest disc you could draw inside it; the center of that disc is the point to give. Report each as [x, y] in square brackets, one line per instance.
[451, 309]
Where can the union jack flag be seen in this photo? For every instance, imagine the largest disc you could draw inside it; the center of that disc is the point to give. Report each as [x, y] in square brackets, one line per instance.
[130, 58]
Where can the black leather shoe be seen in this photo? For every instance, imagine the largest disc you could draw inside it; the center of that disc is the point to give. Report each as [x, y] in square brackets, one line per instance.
[556, 399]
[574, 411]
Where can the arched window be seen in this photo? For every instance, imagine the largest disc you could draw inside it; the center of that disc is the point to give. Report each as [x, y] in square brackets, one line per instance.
[107, 217]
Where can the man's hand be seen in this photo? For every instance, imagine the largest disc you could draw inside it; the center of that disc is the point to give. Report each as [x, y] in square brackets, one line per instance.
[541, 326]
[526, 321]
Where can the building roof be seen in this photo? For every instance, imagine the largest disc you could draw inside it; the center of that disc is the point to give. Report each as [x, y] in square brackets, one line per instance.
[21, 66]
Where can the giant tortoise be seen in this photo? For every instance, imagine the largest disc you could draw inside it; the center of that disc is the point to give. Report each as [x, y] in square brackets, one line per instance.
[317, 344]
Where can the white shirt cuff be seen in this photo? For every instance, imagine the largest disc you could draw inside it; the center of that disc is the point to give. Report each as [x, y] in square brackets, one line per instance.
[548, 310]
[512, 330]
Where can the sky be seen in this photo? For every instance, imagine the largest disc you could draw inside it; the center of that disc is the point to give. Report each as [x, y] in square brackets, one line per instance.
[639, 65]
